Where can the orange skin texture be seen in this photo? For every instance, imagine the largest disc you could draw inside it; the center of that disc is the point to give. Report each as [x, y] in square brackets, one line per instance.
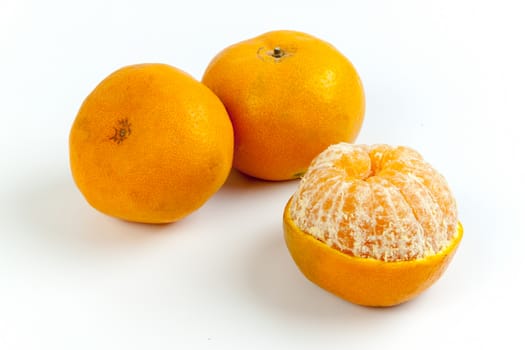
[150, 144]
[364, 281]
[286, 110]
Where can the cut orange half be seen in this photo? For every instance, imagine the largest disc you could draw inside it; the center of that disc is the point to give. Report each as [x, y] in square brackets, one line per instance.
[375, 225]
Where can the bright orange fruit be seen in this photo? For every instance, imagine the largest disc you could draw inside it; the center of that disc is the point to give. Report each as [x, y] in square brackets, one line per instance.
[150, 144]
[375, 225]
[289, 96]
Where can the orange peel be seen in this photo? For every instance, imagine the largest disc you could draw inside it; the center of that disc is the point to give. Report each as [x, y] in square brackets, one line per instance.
[364, 281]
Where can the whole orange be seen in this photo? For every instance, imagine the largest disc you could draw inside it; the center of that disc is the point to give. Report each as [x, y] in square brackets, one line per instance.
[375, 225]
[289, 96]
[150, 144]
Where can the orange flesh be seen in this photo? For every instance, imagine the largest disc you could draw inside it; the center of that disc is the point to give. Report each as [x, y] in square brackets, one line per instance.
[378, 202]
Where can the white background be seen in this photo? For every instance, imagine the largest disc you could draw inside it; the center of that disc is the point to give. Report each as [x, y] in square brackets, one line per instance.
[445, 77]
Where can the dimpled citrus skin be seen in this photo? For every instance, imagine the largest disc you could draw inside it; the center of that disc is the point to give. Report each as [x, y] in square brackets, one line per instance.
[289, 96]
[375, 225]
[150, 144]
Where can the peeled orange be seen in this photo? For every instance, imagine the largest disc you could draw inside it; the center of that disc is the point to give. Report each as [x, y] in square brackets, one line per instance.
[375, 225]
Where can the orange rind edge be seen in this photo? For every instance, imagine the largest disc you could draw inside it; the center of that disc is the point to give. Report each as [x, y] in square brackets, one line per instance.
[364, 281]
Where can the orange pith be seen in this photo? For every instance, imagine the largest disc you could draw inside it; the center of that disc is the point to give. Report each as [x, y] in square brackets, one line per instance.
[375, 225]
[375, 201]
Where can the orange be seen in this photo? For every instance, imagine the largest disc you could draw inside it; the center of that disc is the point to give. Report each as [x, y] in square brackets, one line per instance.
[150, 144]
[289, 96]
[375, 225]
